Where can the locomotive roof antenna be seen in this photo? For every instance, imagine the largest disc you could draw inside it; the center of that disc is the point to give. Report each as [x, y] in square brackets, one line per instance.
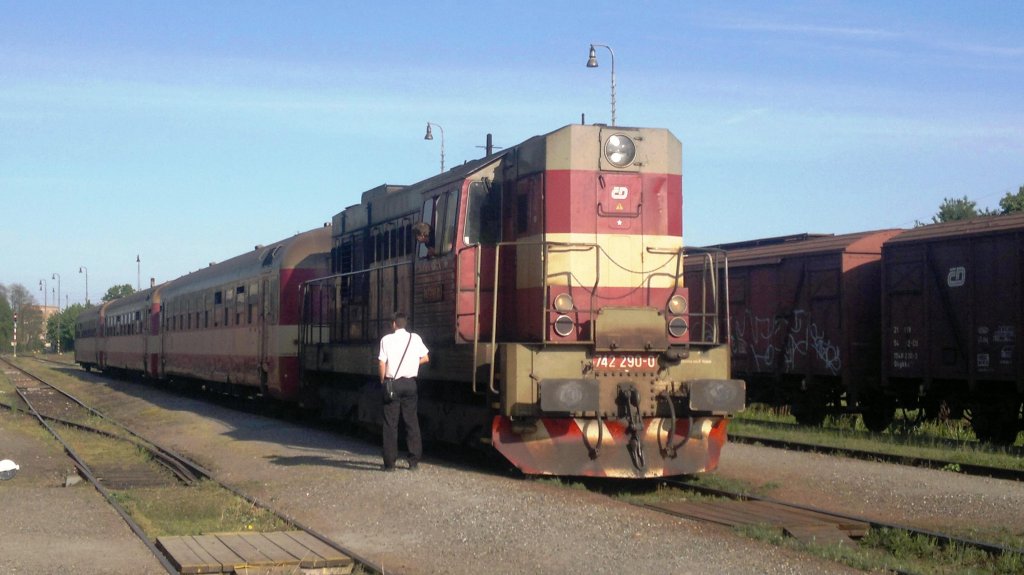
[430, 136]
[592, 63]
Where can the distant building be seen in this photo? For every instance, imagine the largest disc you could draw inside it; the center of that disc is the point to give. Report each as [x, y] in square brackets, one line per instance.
[46, 312]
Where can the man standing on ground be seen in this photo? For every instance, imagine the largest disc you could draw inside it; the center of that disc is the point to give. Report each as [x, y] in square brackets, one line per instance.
[401, 355]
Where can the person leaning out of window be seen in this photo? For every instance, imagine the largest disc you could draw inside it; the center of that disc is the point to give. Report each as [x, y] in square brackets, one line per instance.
[421, 230]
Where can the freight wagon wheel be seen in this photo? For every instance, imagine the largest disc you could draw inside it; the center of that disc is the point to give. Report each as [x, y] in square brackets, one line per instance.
[809, 408]
[878, 410]
[996, 421]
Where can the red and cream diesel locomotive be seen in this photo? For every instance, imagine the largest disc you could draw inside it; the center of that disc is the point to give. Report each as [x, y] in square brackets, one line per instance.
[551, 295]
[550, 291]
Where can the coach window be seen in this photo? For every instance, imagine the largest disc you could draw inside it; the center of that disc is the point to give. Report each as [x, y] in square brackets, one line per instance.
[239, 304]
[253, 300]
[229, 303]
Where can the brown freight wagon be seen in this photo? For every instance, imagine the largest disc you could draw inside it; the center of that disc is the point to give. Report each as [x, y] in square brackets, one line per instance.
[805, 321]
[952, 309]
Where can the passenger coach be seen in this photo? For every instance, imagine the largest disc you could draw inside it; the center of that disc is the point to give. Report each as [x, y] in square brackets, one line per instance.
[232, 326]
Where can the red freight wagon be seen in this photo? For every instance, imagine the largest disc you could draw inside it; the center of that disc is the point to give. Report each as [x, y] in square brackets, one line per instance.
[951, 313]
[805, 327]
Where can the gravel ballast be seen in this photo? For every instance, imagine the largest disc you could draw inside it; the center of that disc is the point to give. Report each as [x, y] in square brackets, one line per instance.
[448, 519]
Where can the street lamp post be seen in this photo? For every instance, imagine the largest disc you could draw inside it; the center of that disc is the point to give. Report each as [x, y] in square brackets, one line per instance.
[42, 288]
[592, 63]
[56, 276]
[83, 269]
[138, 273]
[430, 136]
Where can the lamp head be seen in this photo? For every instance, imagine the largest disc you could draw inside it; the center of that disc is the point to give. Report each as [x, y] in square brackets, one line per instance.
[592, 61]
[429, 136]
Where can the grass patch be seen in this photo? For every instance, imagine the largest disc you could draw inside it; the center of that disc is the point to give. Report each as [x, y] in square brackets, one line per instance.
[885, 550]
[196, 510]
[928, 440]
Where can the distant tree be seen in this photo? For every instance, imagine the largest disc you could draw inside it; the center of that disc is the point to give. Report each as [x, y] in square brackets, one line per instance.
[955, 209]
[1012, 202]
[62, 325]
[6, 321]
[118, 292]
[18, 300]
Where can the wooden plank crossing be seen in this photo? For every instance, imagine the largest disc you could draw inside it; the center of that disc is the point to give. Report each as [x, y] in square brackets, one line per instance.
[249, 552]
[807, 526]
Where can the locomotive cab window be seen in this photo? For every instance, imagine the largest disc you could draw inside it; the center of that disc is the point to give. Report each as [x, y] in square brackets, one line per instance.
[441, 213]
[483, 218]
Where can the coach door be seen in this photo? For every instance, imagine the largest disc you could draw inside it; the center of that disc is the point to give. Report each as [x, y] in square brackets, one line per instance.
[263, 329]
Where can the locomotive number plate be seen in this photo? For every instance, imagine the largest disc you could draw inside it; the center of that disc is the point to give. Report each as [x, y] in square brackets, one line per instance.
[626, 362]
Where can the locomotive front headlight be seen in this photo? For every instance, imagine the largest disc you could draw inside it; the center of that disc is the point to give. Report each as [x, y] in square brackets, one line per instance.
[619, 150]
[677, 305]
[563, 303]
[677, 327]
[564, 325]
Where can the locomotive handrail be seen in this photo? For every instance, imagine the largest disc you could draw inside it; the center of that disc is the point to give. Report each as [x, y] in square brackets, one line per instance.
[477, 258]
[601, 212]
[357, 272]
[546, 247]
[714, 259]
[494, 302]
[306, 332]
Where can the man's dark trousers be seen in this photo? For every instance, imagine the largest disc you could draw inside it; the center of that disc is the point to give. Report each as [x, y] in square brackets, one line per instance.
[404, 404]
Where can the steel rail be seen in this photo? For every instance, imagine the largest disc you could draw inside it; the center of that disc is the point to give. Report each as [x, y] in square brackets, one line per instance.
[943, 538]
[86, 472]
[366, 563]
[924, 462]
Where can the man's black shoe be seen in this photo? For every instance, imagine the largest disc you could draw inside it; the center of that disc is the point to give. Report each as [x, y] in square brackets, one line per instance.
[388, 468]
[414, 466]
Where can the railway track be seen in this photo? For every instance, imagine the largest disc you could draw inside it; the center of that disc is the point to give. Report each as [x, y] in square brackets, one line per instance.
[62, 414]
[809, 524]
[907, 425]
[887, 457]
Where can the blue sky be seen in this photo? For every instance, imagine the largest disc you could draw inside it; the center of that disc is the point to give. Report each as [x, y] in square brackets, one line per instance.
[187, 132]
